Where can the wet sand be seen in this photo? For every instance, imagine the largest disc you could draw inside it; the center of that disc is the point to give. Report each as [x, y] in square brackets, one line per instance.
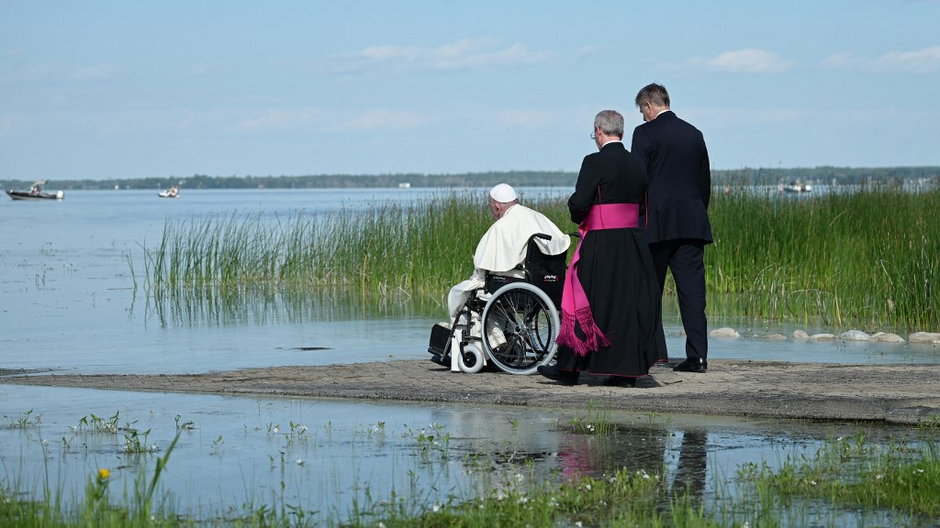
[904, 394]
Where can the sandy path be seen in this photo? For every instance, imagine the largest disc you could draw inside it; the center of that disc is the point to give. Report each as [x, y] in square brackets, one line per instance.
[890, 393]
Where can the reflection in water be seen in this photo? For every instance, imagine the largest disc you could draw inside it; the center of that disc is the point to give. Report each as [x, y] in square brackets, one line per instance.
[689, 478]
[265, 304]
[643, 450]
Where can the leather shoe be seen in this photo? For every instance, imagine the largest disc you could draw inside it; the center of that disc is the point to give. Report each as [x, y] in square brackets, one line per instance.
[565, 377]
[619, 381]
[692, 365]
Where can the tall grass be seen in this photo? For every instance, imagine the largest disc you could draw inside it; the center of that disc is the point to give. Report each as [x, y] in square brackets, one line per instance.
[392, 250]
[869, 260]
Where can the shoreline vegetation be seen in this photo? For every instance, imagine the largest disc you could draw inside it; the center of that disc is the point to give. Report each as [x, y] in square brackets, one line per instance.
[846, 481]
[825, 175]
[861, 260]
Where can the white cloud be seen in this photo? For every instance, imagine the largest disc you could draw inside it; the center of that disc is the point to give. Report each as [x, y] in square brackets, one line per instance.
[748, 60]
[462, 54]
[926, 60]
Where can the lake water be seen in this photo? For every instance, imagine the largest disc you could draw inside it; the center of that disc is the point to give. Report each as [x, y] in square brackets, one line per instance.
[68, 303]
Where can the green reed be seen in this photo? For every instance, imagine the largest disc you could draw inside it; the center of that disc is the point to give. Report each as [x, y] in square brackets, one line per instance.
[852, 473]
[867, 259]
[390, 250]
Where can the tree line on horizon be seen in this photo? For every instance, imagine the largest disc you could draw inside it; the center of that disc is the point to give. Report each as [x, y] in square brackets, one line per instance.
[733, 177]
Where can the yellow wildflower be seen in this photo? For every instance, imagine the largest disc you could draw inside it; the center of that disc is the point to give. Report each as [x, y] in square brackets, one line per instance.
[103, 473]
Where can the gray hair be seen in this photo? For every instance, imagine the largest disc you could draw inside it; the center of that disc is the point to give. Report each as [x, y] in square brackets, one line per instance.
[653, 93]
[610, 122]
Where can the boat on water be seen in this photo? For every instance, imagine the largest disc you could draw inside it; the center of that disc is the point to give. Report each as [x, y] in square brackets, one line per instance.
[172, 192]
[36, 193]
[795, 187]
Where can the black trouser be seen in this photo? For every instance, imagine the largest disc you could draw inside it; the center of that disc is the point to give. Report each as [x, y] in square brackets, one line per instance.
[686, 259]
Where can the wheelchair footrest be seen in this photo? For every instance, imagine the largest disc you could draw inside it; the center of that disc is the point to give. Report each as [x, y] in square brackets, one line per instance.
[440, 335]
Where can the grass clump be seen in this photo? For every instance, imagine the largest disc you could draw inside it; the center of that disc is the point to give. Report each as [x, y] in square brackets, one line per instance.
[865, 259]
[855, 475]
[626, 498]
[390, 250]
[861, 259]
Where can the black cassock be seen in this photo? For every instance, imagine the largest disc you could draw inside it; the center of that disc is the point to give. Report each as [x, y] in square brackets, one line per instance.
[616, 270]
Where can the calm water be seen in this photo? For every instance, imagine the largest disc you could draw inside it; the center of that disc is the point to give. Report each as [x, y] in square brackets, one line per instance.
[68, 303]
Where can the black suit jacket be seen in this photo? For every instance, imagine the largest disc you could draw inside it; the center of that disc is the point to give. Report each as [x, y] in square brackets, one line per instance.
[610, 175]
[679, 175]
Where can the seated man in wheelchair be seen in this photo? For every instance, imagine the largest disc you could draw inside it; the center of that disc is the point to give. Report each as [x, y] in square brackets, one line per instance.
[519, 239]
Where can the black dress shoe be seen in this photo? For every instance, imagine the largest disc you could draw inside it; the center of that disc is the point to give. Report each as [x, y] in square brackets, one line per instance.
[692, 365]
[619, 381]
[565, 377]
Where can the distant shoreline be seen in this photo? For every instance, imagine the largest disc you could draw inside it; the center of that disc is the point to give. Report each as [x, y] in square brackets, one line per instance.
[531, 178]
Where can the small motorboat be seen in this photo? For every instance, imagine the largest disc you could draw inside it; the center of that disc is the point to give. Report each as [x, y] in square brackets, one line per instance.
[172, 192]
[795, 187]
[36, 193]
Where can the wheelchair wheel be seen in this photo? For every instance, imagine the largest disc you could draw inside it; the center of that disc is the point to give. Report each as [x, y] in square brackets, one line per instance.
[520, 324]
[471, 359]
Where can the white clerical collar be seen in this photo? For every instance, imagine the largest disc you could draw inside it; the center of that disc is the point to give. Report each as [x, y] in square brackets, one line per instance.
[661, 111]
[612, 141]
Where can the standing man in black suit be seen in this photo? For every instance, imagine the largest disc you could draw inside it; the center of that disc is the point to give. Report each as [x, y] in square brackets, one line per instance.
[677, 214]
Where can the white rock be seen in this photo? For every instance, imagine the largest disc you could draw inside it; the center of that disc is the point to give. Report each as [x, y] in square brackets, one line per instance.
[924, 337]
[884, 337]
[822, 337]
[724, 332]
[776, 337]
[800, 334]
[854, 335]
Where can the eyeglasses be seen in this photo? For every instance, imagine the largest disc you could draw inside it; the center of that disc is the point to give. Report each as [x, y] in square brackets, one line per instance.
[594, 134]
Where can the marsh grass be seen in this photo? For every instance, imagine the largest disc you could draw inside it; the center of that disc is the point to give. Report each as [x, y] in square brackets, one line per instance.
[389, 251]
[845, 476]
[864, 260]
[853, 474]
[598, 421]
[625, 498]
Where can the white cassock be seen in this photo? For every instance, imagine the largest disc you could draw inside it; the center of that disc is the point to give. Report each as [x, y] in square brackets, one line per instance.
[503, 247]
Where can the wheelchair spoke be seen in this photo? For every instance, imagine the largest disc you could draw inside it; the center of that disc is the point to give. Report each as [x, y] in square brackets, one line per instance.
[519, 325]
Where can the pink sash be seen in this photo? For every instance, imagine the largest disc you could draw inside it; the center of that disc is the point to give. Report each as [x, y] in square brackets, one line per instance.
[575, 308]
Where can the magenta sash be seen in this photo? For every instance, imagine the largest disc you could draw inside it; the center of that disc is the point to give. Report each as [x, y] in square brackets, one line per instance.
[575, 307]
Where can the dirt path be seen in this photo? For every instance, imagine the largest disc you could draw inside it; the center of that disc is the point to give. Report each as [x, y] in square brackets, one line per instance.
[906, 394]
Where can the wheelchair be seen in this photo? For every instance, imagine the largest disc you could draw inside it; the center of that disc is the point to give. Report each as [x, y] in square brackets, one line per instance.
[511, 322]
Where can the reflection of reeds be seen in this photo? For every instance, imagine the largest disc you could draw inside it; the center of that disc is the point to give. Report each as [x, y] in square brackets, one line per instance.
[866, 259]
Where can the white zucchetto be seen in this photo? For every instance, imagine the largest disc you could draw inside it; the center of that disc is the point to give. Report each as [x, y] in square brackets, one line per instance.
[503, 193]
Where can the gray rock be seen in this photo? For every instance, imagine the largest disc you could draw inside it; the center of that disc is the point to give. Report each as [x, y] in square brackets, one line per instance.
[776, 337]
[724, 332]
[924, 337]
[822, 337]
[854, 335]
[800, 334]
[884, 337]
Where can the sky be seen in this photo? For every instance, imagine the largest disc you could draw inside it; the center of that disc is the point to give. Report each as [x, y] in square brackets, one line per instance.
[100, 89]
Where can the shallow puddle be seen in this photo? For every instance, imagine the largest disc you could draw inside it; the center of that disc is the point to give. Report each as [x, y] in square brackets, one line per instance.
[322, 455]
